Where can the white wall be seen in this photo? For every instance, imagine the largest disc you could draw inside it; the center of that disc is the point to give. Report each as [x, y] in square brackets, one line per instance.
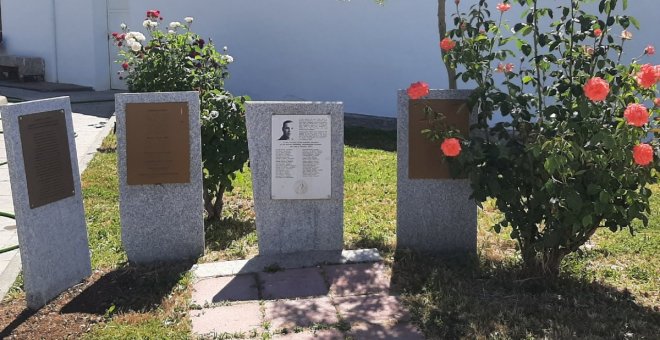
[71, 37]
[328, 50]
[82, 48]
[30, 32]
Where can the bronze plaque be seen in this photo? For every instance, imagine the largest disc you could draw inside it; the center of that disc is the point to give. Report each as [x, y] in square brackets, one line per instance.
[425, 157]
[157, 143]
[46, 157]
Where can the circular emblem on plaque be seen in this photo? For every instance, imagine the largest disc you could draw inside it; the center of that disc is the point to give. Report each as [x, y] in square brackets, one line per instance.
[301, 187]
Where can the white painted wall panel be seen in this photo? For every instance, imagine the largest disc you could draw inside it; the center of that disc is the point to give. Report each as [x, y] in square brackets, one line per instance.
[327, 50]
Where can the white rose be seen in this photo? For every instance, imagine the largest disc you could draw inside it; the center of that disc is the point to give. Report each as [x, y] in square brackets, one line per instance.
[139, 36]
[146, 23]
[153, 24]
[171, 32]
[136, 46]
[174, 25]
[122, 26]
[188, 20]
[224, 48]
[229, 59]
[130, 41]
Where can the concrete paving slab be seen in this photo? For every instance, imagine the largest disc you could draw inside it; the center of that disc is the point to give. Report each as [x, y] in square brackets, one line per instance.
[227, 288]
[357, 279]
[300, 313]
[326, 334]
[293, 283]
[285, 261]
[371, 308]
[385, 331]
[237, 318]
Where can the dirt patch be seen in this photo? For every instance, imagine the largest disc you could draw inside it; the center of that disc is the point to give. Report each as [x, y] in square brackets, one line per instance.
[104, 294]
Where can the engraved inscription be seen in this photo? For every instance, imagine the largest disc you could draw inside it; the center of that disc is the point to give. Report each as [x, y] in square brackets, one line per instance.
[301, 157]
[157, 143]
[46, 157]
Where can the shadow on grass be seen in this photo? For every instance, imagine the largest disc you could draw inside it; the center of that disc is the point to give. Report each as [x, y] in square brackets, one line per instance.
[220, 234]
[463, 298]
[132, 288]
[364, 138]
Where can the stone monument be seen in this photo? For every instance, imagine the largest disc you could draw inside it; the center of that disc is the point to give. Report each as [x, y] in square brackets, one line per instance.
[160, 176]
[45, 184]
[297, 163]
[434, 211]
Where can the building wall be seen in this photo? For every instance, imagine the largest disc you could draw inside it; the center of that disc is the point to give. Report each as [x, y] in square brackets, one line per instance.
[29, 32]
[323, 50]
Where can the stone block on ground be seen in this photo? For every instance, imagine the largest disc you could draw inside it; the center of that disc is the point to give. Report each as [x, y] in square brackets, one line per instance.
[162, 210]
[238, 318]
[285, 224]
[293, 283]
[385, 331]
[47, 198]
[228, 288]
[371, 308]
[358, 279]
[290, 314]
[433, 215]
[325, 334]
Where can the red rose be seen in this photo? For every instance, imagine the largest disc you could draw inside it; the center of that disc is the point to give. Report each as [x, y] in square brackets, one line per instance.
[451, 147]
[598, 32]
[648, 75]
[643, 154]
[656, 102]
[636, 115]
[418, 90]
[124, 66]
[154, 13]
[447, 44]
[650, 50]
[503, 7]
[596, 89]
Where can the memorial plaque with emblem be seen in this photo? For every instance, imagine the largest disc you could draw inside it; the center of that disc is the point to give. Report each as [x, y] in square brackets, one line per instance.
[425, 157]
[301, 157]
[46, 157]
[157, 143]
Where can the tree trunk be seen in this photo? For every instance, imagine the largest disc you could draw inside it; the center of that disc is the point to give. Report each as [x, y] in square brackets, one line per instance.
[545, 264]
[442, 29]
[213, 205]
[218, 204]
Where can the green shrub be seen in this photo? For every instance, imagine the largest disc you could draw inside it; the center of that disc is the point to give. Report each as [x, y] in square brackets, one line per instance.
[180, 60]
[579, 147]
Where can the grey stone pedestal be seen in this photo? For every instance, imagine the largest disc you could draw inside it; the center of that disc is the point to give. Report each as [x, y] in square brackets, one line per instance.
[433, 215]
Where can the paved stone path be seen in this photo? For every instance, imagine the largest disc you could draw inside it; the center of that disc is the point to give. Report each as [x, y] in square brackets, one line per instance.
[347, 301]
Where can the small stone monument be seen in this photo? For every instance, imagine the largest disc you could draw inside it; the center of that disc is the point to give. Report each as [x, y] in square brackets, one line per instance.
[160, 176]
[297, 163]
[434, 211]
[45, 183]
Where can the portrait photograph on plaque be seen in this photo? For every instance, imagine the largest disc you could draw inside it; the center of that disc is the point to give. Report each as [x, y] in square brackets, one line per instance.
[301, 157]
[157, 143]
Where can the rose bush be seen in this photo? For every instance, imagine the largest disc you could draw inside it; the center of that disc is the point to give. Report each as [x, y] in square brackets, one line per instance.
[577, 145]
[180, 60]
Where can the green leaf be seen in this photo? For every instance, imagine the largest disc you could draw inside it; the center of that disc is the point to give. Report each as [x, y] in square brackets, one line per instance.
[634, 22]
[527, 79]
[587, 221]
[604, 196]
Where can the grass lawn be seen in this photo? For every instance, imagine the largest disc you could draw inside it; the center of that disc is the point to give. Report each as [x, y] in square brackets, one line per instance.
[610, 290]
